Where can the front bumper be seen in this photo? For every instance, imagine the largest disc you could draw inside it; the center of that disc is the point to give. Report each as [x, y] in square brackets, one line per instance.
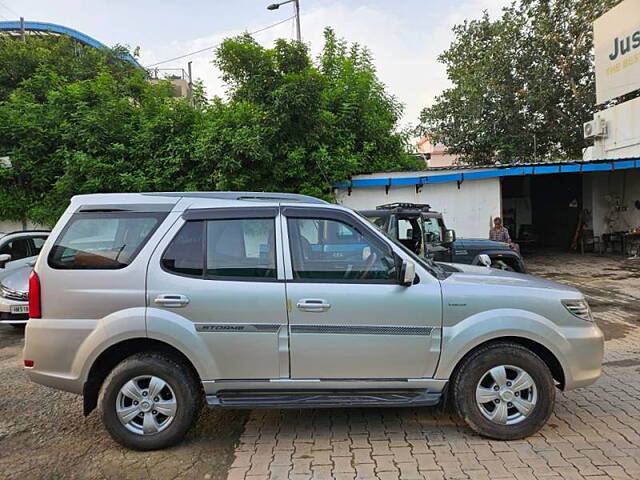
[13, 318]
[583, 360]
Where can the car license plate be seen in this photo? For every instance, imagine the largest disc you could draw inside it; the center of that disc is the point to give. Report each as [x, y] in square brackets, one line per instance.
[19, 309]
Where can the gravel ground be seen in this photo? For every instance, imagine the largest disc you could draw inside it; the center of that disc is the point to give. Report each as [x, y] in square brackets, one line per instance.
[44, 435]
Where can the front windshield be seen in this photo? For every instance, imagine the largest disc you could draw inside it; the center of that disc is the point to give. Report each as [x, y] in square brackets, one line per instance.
[432, 230]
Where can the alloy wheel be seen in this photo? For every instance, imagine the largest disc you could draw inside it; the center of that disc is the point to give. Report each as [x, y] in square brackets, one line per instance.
[506, 394]
[146, 405]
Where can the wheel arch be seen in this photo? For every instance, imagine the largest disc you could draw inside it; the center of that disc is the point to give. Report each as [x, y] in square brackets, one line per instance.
[546, 355]
[114, 354]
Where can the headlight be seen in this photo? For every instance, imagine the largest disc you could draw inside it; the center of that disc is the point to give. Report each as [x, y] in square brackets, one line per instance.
[579, 308]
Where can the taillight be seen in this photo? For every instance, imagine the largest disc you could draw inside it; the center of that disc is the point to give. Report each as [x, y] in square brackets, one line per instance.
[35, 309]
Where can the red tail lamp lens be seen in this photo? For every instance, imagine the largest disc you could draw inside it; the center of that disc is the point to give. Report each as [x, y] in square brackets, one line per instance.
[35, 310]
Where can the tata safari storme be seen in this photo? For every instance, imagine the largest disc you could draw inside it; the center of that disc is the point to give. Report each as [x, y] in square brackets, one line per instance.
[150, 305]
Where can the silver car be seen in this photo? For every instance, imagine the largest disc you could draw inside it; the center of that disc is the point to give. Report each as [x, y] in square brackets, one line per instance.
[14, 296]
[152, 304]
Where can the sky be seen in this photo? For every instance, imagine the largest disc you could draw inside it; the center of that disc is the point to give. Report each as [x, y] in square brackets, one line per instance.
[404, 36]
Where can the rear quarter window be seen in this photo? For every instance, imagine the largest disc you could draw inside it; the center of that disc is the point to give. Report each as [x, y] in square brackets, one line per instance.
[103, 241]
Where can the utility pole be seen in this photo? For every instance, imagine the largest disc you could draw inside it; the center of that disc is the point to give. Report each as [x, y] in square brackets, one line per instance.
[296, 6]
[22, 37]
[296, 9]
[190, 84]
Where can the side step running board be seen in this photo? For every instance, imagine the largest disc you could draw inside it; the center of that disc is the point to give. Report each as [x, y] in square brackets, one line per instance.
[319, 399]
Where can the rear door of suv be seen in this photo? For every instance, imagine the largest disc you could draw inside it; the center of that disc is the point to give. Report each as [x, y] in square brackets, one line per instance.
[218, 272]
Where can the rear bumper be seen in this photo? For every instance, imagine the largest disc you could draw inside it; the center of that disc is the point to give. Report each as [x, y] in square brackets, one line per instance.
[583, 361]
[53, 346]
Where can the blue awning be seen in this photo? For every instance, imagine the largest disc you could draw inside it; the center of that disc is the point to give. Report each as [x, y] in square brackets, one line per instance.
[456, 175]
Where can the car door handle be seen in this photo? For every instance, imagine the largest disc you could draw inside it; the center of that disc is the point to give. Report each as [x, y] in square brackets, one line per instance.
[313, 305]
[171, 300]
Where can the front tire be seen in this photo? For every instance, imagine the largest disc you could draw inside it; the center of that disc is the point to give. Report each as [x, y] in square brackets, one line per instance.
[504, 391]
[149, 401]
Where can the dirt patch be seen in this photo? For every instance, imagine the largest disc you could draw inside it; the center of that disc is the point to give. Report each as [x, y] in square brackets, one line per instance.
[10, 336]
[628, 362]
[615, 330]
[44, 435]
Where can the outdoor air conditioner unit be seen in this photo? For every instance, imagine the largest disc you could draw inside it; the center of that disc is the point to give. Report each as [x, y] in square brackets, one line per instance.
[596, 128]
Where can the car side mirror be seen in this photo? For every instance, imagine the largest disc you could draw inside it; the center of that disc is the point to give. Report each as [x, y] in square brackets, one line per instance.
[484, 259]
[407, 273]
[4, 258]
[449, 236]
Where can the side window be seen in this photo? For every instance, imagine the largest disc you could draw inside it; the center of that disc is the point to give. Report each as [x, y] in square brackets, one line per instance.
[18, 248]
[241, 248]
[103, 241]
[184, 255]
[332, 250]
[37, 244]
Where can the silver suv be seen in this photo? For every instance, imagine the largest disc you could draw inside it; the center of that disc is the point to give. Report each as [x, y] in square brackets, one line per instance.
[151, 304]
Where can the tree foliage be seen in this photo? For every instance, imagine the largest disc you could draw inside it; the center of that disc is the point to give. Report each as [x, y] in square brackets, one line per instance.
[75, 120]
[523, 84]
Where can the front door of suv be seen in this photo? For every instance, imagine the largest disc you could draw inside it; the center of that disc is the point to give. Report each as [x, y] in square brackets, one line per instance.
[349, 317]
[219, 275]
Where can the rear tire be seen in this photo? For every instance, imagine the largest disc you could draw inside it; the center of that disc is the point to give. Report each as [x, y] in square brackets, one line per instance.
[504, 391]
[149, 401]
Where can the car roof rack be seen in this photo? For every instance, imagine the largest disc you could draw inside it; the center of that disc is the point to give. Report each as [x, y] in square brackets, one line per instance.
[424, 207]
[284, 197]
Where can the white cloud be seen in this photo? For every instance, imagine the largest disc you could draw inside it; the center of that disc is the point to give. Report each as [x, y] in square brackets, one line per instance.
[405, 56]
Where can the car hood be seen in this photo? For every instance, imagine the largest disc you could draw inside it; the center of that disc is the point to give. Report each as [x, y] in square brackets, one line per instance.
[488, 277]
[18, 279]
[480, 244]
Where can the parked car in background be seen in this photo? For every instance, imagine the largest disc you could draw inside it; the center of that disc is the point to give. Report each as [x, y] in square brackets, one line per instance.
[18, 252]
[151, 304]
[423, 231]
[14, 296]
[19, 248]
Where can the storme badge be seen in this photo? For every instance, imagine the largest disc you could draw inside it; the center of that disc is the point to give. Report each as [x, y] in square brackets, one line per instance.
[616, 37]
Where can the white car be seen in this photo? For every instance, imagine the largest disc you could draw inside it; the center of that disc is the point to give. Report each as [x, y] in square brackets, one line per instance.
[19, 248]
[14, 296]
[18, 252]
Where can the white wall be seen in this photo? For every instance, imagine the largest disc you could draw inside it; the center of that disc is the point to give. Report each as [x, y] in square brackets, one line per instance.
[612, 200]
[11, 226]
[623, 132]
[468, 209]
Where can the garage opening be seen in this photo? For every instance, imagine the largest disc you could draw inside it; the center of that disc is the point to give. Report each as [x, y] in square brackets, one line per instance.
[542, 211]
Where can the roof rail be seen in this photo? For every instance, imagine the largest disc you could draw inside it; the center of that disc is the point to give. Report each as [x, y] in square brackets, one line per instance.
[286, 197]
[414, 206]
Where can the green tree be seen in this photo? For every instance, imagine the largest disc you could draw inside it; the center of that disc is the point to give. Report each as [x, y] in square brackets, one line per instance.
[75, 120]
[297, 125]
[78, 120]
[523, 84]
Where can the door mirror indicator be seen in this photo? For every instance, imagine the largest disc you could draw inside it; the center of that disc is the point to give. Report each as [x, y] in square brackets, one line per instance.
[484, 259]
[4, 258]
[407, 273]
[449, 236]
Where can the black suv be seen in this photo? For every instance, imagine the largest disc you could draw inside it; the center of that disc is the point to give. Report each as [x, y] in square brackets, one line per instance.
[423, 231]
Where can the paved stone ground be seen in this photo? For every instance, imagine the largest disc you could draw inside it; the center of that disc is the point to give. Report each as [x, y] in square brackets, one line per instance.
[594, 432]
